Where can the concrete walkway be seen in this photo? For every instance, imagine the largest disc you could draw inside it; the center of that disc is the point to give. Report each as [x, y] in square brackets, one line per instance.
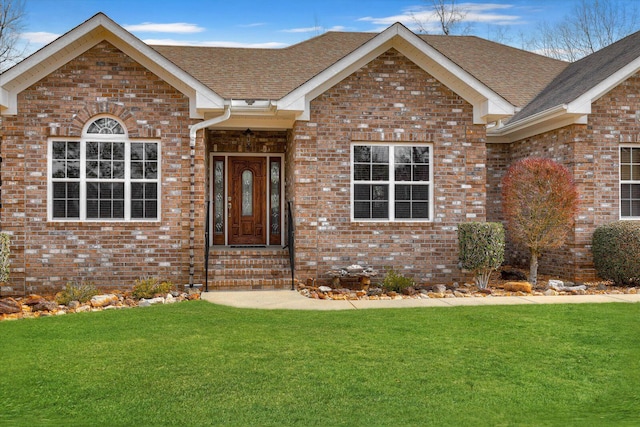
[292, 300]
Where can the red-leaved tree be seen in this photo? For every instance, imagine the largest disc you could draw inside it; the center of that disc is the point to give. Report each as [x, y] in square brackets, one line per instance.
[539, 201]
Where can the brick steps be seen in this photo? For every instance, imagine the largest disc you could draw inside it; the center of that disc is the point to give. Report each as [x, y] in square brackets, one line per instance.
[251, 268]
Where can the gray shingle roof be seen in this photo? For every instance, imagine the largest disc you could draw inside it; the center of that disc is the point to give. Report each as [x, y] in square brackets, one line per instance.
[581, 76]
[237, 73]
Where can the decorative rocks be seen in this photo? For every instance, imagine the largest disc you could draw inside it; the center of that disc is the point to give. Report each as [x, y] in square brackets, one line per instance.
[103, 300]
[38, 306]
[517, 287]
[558, 285]
[9, 306]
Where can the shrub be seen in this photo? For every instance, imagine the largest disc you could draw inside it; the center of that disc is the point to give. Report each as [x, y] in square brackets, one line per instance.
[5, 251]
[151, 286]
[73, 291]
[481, 247]
[539, 200]
[616, 252]
[396, 282]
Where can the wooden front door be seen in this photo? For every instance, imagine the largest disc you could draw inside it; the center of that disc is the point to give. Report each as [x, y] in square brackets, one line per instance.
[247, 204]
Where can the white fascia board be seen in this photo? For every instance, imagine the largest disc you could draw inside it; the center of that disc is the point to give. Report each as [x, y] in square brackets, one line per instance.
[582, 104]
[299, 99]
[544, 121]
[486, 103]
[532, 120]
[5, 100]
[540, 128]
[87, 35]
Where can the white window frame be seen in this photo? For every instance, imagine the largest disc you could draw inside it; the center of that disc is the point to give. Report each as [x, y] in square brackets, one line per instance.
[621, 181]
[391, 182]
[123, 138]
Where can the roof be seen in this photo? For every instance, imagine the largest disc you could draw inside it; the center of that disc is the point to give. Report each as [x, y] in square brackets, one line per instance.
[239, 73]
[85, 36]
[581, 77]
[502, 68]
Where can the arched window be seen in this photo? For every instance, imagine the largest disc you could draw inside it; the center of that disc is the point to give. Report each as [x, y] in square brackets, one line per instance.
[104, 175]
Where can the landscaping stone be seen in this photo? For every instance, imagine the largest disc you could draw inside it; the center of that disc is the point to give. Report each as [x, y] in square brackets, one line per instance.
[517, 287]
[324, 289]
[375, 291]
[439, 289]
[151, 301]
[550, 293]
[555, 284]
[10, 306]
[44, 305]
[103, 300]
[32, 300]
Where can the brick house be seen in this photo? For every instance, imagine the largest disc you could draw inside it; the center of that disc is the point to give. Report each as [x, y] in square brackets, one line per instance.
[118, 157]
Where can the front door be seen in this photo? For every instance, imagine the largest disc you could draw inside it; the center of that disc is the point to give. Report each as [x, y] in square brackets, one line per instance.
[247, 201]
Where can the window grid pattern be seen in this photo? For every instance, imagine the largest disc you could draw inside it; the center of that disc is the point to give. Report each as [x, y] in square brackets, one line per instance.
[103, 176]
[65, 173]
[391, 182]
[630, 182]
[144, 176]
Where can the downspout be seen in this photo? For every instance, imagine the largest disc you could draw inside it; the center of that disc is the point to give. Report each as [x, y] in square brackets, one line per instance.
[193, 130]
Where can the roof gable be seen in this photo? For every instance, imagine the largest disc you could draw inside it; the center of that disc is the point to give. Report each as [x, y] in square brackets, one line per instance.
[569, 96]
[486, 103]
[83, 38]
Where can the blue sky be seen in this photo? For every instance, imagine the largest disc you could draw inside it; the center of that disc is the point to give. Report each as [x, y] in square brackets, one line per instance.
[273, 23]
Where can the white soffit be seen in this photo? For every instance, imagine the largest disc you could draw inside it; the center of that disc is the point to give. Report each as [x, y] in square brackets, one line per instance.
[83, 38]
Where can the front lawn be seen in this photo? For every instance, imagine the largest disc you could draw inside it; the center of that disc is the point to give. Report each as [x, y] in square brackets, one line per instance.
[197, 363]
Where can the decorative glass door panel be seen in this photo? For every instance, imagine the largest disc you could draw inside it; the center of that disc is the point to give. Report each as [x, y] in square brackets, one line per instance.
[275, 214]
[247, 201]
[219, 182]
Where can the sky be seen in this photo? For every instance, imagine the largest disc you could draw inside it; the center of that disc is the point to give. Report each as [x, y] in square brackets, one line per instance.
[275, 23]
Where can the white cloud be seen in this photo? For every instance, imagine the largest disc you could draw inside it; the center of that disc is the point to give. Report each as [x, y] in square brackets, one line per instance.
[39, 37]
[255, 24]
[176, 27]
[485, 13]
[316, 28]
[214, 43]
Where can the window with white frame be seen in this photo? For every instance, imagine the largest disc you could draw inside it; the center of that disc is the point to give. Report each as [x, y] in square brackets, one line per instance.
[630, 182]
[104, 175]
[391, 182]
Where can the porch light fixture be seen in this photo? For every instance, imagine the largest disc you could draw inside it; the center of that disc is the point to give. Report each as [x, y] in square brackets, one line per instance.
[248, 133]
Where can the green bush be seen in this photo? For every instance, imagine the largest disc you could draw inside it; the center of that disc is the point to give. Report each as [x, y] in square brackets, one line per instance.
[73, 291]
[481, 246]
[150, 287]
[5, 251]
[396, 282]
[616, 252]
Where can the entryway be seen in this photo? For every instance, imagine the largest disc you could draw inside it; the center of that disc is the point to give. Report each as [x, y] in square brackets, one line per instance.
[247, 204]
[246, 196]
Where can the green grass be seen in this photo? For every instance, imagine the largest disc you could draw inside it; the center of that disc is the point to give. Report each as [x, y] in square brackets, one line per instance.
[197, 363]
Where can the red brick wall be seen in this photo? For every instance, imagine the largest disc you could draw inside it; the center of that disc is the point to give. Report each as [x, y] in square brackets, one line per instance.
[390, 99]
[46, 255]
[591, 152]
